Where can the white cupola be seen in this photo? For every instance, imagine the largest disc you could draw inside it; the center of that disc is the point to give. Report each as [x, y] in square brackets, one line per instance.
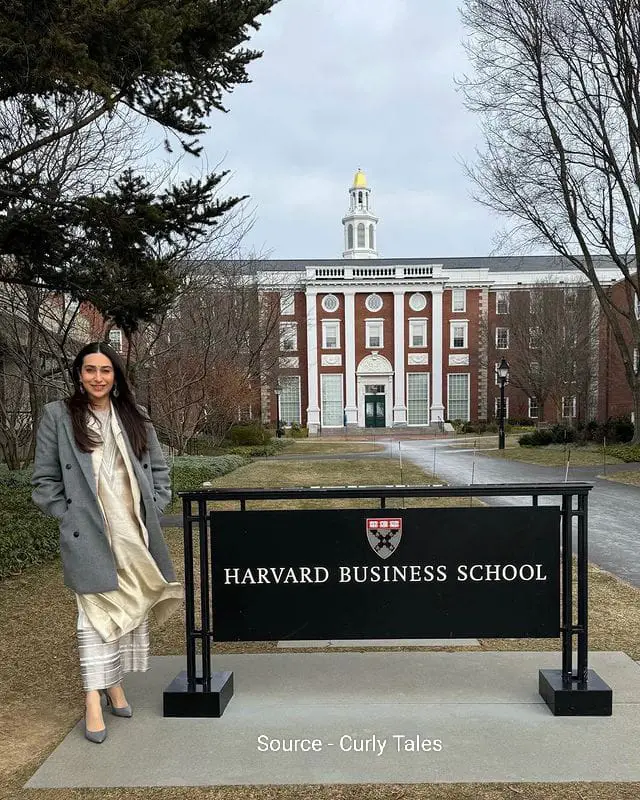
[359, 223]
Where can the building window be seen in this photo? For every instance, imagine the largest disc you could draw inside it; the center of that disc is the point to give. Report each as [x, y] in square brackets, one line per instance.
[459, 300]
[349, 236]
[361, 234]
[373, 302]
[115, 340]
[497, 408]
[330, 303]
[287, 305]
[330, 334]
[569, 407]
[417, 302]
[417, 398]
[374, 333]
[533, 408]
[371, 247]
[331, 398]
[288, 336]
[290, 399]
[535, 338]
[502, 302]
[459, 336]
[458, 397]
[636, 360]
[417, 333]
[502, 338]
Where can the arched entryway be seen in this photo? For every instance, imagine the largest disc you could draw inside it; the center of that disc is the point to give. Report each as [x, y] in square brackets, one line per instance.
[374, 376]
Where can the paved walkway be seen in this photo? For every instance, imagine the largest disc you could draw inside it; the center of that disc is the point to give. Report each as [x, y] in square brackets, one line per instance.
[614, 508]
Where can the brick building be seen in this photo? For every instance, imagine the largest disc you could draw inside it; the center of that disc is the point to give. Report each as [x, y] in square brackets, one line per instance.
[368, 341]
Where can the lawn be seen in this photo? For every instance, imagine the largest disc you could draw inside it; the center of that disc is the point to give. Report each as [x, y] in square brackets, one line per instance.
[555, 455]
[304, 447]
[42, 697]
[630, 478]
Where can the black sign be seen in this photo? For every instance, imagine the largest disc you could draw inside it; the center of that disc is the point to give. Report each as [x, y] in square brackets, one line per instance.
[376, 574]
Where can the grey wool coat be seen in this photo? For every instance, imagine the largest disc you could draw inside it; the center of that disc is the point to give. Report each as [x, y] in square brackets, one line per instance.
[65, 488]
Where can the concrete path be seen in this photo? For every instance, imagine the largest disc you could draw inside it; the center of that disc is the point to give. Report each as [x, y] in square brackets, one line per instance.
[614, 508]
[374, 718]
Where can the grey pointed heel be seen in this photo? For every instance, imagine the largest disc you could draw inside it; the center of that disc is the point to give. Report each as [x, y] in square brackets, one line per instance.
[121, 711]
[97, 737]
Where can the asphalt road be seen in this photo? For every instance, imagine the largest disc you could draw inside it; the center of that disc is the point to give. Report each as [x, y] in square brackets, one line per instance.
[614, 508]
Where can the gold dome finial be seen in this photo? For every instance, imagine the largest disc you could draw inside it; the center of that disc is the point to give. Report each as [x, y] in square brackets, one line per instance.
[360, 180]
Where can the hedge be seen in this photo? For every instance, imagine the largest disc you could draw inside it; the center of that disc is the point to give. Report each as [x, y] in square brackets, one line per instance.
[190, 472]
[625, 452]
[27, 537]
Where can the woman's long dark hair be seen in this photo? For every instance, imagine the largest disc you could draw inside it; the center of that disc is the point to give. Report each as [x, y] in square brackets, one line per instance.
[133, 420]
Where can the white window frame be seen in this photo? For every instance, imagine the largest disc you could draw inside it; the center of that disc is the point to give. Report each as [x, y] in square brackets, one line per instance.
[115, 339]
[636, 360]
[288, 336]
[294, 380]
[287, 305]
[327, 324]
[331, 377]
[574, 407]
[502, 297]
[426, 381]
[420, 322]
[457, 294]
[531, 405]
[468, 377]
[502, 347]
[369, 325]
[465, 325]
[496, 408]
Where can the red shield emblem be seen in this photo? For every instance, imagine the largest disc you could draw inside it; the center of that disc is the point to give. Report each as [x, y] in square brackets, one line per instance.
[384, 534]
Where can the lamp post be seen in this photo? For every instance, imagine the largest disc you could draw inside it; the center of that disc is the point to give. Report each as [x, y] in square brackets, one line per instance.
[278, 391]
[502, 371]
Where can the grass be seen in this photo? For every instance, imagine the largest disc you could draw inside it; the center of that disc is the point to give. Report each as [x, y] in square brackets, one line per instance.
[305, 447]
[630, 478]
[555, 455]
[42, 696]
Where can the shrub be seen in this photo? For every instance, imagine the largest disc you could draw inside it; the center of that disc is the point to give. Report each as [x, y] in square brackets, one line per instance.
[299, 431]
[538, 438]
[190, 472]
[625, 452]
[259, 450]
[252, 433]
[562, 434]
[27, 537]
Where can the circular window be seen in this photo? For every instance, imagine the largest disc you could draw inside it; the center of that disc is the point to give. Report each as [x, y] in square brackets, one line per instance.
[373, 302]
[330, 302]
[417, 302]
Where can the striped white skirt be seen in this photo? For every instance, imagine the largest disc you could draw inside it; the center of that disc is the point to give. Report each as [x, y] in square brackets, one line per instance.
[103, 664]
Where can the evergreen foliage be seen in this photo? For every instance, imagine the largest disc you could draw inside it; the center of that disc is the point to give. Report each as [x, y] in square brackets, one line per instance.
[168, 61]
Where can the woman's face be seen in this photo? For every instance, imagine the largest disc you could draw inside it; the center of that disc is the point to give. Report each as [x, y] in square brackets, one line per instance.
[97, 377]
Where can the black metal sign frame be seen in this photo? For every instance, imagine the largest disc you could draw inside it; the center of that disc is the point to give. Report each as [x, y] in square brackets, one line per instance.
[572, 690]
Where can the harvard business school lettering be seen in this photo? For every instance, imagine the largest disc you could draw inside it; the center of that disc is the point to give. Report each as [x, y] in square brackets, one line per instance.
[407, 573]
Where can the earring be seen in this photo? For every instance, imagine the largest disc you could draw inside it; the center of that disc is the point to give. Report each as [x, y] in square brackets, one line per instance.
[81, 389]
[116, 391]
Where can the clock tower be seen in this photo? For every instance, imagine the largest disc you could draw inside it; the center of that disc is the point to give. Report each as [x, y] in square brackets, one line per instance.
[359, 223]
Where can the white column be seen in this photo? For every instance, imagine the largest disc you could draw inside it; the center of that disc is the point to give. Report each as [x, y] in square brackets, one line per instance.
[437, 408]
[313, 409]
[351, 405]
[399, 404]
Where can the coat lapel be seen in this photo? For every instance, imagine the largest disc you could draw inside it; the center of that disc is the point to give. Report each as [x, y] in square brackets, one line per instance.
[83, 459]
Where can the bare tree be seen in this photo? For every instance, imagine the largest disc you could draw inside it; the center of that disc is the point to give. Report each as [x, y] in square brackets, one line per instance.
[203, 362]
[551, 335]
[556, 84]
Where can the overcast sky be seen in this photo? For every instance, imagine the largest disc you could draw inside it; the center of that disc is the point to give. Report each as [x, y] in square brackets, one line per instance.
[345, 84]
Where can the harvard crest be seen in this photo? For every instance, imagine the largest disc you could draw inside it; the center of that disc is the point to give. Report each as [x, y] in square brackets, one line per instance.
[384, 534]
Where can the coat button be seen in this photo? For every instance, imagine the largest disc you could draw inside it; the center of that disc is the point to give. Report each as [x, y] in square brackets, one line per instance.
[68, 501]
[76, 534]
[145, 465]
[67, 466]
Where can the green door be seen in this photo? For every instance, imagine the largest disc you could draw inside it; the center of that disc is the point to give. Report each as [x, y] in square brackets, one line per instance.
[374, 410]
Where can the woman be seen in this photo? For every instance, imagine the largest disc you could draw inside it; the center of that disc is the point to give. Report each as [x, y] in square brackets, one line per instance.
[99, 469]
